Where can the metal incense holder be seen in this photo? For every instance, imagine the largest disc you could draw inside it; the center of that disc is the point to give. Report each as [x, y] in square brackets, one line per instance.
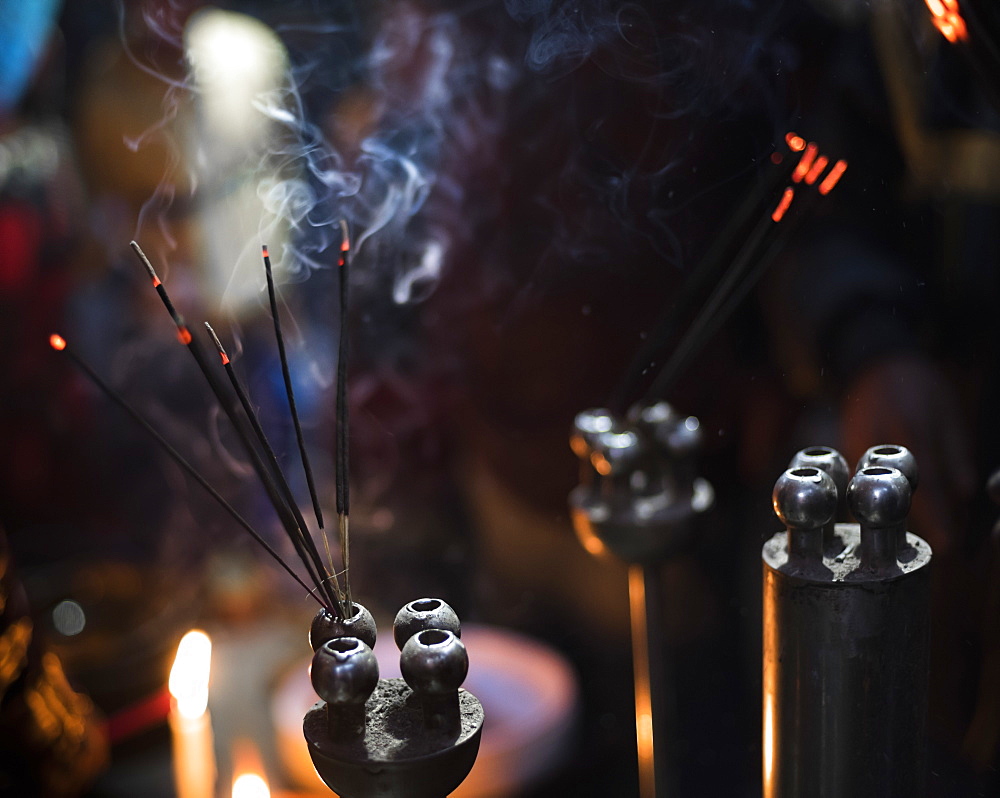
[846, 632]
[415, 737]
[637, 499]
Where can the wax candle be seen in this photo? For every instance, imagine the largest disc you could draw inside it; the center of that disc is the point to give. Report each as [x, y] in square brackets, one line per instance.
[190, 722]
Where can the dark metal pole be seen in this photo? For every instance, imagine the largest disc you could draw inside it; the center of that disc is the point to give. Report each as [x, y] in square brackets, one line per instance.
[846, 642]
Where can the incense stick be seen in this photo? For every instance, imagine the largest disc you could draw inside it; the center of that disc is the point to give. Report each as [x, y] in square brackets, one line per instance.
[745, 269]
[290, 393]
[284, 512]
[707, 271]
[744, 272]
[343, 476]
[59, 343]
[306, 541]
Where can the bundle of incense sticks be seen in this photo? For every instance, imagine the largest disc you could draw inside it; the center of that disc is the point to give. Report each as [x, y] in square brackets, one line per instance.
[326, 587]
[741, 254]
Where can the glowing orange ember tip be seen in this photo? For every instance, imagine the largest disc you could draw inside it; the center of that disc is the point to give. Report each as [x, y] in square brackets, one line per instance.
[833, 177]
[786, 200]
[264, 250]
[345, 246]
[817, 169]
[57, 342]
[805, 162]
[156, 282]
[795, 143]
[947, 18]
[184, 335]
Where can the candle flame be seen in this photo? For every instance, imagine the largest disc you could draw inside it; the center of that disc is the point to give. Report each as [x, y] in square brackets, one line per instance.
[189, 675]
[947, 18]
[57, 342]
[250, 785]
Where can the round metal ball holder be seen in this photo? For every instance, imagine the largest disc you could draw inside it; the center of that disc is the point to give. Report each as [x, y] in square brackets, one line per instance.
[638, 496]
[415, 737]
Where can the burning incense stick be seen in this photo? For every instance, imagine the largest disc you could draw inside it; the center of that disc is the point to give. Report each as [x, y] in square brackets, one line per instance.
[745, 270]
[59, 343]
[285, 514]
[290, 393]
[343, 476]
[303, 542]
[717, 311]
[708, 272]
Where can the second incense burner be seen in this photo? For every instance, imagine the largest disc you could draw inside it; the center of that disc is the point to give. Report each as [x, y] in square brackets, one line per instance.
[415, 737]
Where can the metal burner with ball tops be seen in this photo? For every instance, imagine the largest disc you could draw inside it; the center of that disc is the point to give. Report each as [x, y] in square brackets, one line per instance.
[415, 737]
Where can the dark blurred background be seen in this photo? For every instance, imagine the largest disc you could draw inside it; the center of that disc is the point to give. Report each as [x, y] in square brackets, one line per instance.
[528, 186]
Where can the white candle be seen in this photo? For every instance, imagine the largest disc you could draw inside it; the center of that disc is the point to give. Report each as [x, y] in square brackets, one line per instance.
[190, 722]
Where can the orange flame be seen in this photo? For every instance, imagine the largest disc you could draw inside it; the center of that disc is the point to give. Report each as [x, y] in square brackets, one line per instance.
[786, 200]
[817, 169]
[250, 785]
[805, 162]
[948, 19]
[57, 342]
[833, 177]
[248, 772]
[795, 142]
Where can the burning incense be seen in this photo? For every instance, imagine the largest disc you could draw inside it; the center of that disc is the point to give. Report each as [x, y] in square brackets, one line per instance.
[303, 542]
[59, 343]
[947, 18]
[708, 272]
[295, 533]
[343, 476]
[290, 393]
[745, 268]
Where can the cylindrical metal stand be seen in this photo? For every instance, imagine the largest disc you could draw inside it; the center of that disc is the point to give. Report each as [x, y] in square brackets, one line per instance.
[846, 650]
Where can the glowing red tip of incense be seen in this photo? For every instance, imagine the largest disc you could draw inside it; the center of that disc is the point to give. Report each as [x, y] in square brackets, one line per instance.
[345, 245]
[225, 358]
[786, 200]
[817, 169]
[57, 342]
[184, 335]
[776, 158]
[795, 143]
[264, 250]
[833, 177]
[948, 19]
[805, 162]
[156, 282]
